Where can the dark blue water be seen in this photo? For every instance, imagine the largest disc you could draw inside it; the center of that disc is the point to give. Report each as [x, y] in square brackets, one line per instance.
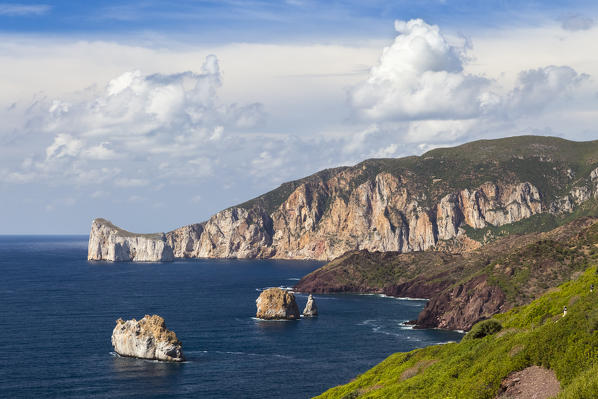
[57, 312]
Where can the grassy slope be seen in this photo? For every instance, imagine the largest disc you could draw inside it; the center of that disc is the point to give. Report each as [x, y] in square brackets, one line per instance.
[535, 334]
[537, 159]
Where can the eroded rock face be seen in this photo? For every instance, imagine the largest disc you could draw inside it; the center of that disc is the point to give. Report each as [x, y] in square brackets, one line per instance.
[232, 233]
[277, 304]
[314, 222]
[311, 310]
[463, 306]
[147, 338]
[108, 242]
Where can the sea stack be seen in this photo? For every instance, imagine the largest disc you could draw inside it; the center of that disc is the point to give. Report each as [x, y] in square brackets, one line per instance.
[277, 304]
[311, 310]
[111, 243]
[147, 338]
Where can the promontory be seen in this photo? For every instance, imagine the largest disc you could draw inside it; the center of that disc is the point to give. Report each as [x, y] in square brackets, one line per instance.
[438, 200]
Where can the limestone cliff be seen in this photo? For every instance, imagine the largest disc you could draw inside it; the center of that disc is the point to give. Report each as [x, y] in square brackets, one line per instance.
[404, 205]
[379, 215]
[147, 338]
[108, 242]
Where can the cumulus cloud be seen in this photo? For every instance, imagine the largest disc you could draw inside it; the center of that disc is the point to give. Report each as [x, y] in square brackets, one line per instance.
[577, 22]
[420, 90]
[420, 76]
[537, 88]
[134, 117]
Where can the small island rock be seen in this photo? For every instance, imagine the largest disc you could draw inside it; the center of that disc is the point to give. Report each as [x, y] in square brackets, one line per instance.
[147, 338]
[311, 310]
[277, 304]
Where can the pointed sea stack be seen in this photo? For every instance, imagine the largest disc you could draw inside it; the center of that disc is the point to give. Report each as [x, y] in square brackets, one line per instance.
[147, 338]
[277, 304]
[311, 310]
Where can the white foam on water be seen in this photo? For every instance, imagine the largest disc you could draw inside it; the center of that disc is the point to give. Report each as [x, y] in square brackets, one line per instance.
[282, 287]
[268, 320]
[114, 354]
[404, 326]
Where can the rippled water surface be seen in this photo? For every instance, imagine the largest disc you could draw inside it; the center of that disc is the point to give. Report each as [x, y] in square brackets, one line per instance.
[57, 312]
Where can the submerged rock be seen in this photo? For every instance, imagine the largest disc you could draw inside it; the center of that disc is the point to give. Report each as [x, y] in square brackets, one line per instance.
[311, 310]
[276, 304]
[147, 338]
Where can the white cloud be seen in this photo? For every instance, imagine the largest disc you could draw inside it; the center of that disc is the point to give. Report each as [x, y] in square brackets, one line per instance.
[536, 88]
[64, 145]
[420, 76]
[420, 92]
[134, 117]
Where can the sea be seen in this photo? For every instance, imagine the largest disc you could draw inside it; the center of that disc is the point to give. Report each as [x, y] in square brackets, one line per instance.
[57, 312]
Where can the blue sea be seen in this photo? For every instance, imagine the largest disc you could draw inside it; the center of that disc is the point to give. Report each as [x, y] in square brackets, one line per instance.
[57, 312]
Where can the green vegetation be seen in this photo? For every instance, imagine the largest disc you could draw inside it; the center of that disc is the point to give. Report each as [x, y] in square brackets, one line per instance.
[125, 233]
[484, 328]
[535, 334]
[364, 271]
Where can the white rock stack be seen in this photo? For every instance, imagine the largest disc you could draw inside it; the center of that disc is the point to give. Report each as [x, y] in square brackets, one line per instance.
[311, 310]
[108, 242]
[147, 338]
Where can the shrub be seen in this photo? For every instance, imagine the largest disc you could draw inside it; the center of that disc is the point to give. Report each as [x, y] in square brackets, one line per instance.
[483, 328]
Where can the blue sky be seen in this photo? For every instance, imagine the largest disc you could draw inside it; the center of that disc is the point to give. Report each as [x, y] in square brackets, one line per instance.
[158, 114]
[224, 20]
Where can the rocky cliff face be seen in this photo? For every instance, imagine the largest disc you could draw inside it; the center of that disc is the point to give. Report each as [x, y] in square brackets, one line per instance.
[460, 307]
[147, 338]
[108, 242]
[277, 304]
[404, 205]
[314, 222]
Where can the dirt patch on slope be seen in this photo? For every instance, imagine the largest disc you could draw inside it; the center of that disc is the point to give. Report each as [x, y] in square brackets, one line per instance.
[531, 383]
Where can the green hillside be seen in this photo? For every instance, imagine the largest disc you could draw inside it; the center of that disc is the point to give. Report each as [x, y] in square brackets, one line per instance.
[535, 334]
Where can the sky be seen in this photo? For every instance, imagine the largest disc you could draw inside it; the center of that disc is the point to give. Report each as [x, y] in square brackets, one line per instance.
[158, 114]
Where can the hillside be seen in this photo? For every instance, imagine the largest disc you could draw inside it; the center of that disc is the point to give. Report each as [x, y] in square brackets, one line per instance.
[438, 200]
[484, 364]
[470, 286]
